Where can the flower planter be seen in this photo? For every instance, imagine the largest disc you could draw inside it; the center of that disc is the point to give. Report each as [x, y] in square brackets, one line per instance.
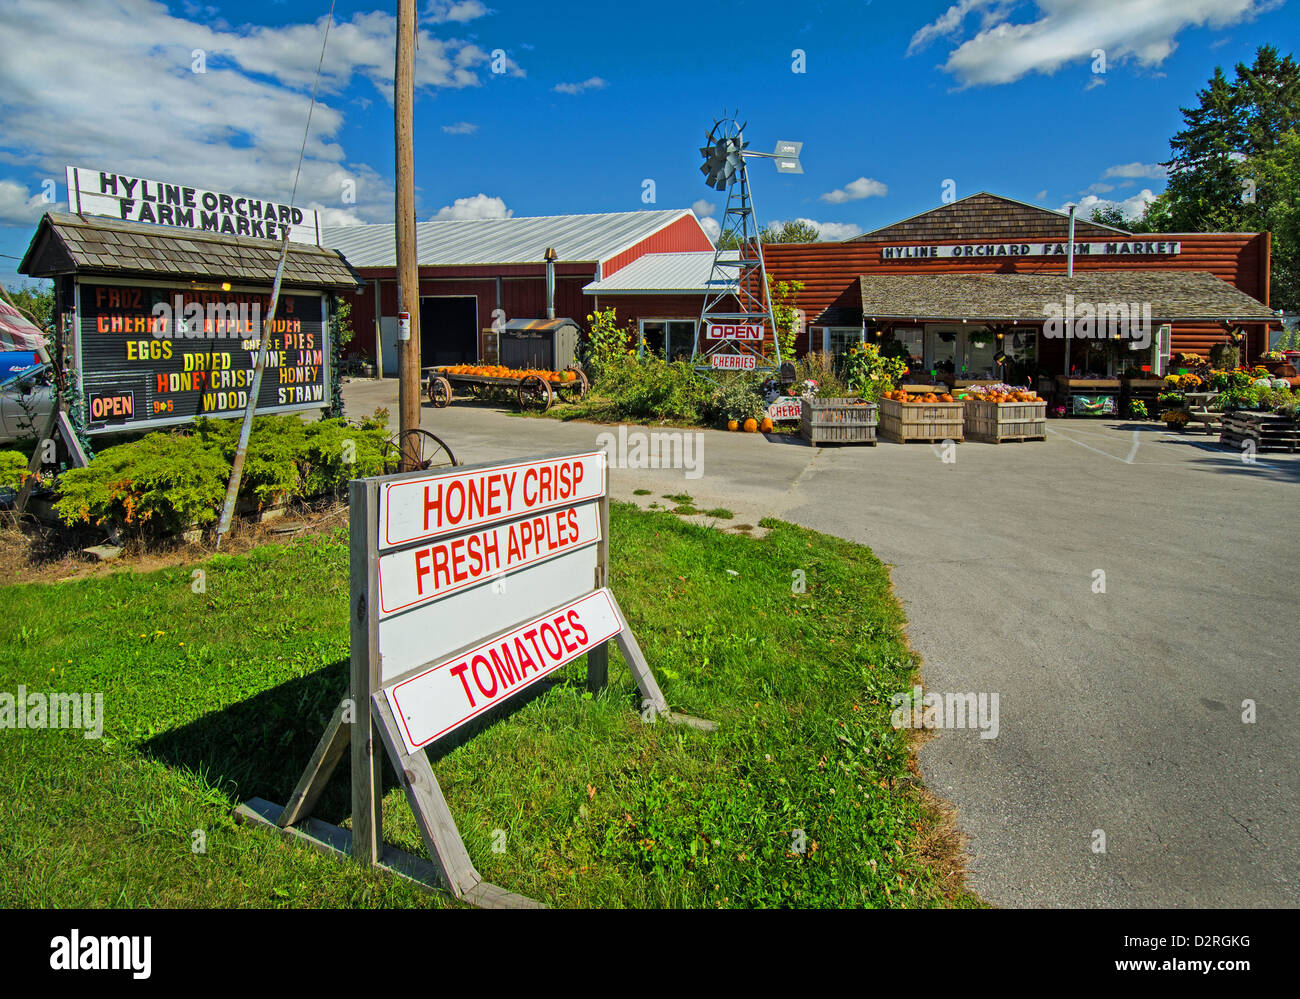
[838, 421]
[902, 422]
[995, 422]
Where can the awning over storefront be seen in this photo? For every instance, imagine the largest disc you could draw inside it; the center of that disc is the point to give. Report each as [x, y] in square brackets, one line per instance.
[65, 243]
[1174, 296]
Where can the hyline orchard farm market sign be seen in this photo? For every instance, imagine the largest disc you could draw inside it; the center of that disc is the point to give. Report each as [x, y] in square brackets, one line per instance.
[136, 199]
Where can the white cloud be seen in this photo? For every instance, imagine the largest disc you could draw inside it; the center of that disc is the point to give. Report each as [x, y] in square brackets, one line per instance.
[711, 228]
[1068, 31]
[594, 83]
[18, 207]
[826, 231]
[236, 127]
[1041, 195]
[460, 128]
[1152, 170]
[863, 187]
[478, 207]
[1099, 188]
[466, 10]
[704, 208]
[1132, 207]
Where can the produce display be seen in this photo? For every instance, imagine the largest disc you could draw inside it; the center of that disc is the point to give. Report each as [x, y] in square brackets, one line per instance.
[1000, 392]
[497, 371]
[917, 398]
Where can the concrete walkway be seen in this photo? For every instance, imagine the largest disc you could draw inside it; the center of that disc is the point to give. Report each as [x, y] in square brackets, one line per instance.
[1120, 711]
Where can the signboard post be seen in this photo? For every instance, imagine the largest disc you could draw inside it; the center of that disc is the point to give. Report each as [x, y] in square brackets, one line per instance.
[468, 586]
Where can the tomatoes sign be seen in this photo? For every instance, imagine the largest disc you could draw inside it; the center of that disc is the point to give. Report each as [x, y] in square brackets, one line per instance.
[444, 697]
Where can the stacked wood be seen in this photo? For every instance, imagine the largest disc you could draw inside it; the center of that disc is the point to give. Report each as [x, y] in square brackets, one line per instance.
[1267, 431]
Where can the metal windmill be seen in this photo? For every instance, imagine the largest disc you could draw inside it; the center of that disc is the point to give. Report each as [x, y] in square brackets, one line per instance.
[734, 335]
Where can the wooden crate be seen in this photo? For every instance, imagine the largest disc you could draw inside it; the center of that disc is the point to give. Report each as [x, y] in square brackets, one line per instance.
[931, 421]
[838, 421]
[1268, 431]
[996, 422]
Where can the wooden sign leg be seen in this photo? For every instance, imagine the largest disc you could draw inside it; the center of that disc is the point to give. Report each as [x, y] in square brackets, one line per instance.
[329, 751]
[437, 827]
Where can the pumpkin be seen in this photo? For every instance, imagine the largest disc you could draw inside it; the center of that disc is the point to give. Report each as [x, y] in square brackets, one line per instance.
[751, 425]
[766, 424]
[733, 425]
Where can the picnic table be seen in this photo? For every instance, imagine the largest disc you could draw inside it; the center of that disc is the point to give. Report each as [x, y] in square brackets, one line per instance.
[1198, 409]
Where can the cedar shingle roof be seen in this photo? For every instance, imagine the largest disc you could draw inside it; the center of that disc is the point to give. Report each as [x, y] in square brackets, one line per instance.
[92, 244]
[985, 216]
[1184, 296]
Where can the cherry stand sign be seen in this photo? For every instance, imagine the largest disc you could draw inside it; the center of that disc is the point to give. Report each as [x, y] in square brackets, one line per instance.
[468, 586]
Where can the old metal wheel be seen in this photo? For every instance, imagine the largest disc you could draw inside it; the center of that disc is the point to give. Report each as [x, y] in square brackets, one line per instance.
[439, 392]
[431, 452]
[576, 389]
[535, 392]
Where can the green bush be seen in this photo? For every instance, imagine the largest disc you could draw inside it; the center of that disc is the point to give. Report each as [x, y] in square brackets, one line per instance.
[13, 469]
[646, 390]
[738, 397]
[819, 366]
[163, 481]
[167, 482]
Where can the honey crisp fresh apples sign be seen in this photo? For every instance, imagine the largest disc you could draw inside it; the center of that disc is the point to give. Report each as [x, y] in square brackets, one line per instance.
[468, 585]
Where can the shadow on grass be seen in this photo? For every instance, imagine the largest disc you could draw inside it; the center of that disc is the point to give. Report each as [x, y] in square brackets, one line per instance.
[260, 746]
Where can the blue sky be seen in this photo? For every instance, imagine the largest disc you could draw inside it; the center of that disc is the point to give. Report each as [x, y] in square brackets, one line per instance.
[534, 109]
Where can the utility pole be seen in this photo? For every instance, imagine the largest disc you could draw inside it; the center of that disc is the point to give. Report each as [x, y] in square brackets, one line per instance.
[408, 274]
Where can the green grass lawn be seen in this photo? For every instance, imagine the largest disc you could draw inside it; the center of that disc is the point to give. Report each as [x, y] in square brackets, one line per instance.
[215, 697]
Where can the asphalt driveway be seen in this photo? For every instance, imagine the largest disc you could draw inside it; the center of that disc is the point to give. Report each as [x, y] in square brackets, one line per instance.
[1120, 712]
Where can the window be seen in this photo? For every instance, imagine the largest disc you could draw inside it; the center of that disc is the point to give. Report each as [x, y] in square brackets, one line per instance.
[671, 339]
[914, 343]
[840, 339]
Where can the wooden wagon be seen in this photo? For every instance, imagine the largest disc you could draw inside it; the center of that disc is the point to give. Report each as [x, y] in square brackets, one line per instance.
[531, 391]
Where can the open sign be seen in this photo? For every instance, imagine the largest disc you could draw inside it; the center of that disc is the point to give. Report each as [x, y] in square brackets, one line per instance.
[112, 407]
[734, 331]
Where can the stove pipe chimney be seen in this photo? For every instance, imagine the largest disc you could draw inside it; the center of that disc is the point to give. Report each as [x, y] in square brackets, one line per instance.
[550, 258]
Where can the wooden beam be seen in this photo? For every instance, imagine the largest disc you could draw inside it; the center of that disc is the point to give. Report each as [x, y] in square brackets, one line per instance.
[329, 751]
[364, 547]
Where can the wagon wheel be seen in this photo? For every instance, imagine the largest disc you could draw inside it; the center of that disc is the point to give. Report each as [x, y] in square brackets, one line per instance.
[576, 389]
[439, 392]
[478, 390]
[534, 392]
[430, 452]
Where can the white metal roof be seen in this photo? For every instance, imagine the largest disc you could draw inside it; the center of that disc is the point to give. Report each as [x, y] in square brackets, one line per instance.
[501, 241]
[662, 274]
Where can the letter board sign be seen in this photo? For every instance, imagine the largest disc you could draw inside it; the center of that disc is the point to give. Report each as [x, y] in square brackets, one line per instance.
[179, 353]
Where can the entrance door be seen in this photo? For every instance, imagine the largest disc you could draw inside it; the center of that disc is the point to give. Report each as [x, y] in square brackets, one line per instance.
[941, 351]
[448, 330]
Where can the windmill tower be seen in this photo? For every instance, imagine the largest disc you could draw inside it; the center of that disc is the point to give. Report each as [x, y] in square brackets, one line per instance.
[734, 335]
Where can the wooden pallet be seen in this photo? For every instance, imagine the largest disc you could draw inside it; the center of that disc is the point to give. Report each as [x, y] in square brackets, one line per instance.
[1002, 422]
[1267, 431]
[838, 421]
[919, 423]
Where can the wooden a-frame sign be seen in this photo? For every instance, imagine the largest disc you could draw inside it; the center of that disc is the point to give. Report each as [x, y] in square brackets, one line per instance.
[468, 585]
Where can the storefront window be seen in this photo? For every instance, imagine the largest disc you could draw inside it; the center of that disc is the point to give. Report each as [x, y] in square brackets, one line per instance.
[913, 342]
[981, 345]
[669, 338]
[1021, 364]
[943, 351]
[840, 340]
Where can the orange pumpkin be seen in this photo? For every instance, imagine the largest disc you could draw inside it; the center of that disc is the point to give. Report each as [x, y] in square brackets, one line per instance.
[733, 424]
[765, 424]
[751, 425]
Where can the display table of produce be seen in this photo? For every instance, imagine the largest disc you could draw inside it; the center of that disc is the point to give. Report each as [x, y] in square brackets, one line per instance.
[998, 413]
[934, 417]
[1088, 396]
[1268, 431]
[534, 389]
[838, 421]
